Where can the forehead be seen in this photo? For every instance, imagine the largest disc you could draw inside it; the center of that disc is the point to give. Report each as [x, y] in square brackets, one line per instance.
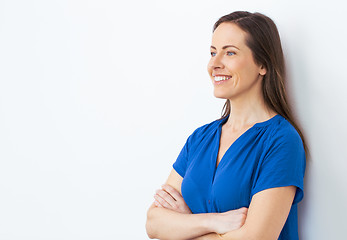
[228, 33]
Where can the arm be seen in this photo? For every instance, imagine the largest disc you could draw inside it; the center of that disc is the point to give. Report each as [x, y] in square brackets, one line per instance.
[266, 216]
[172, 219]
[164, 223]
[167, 224]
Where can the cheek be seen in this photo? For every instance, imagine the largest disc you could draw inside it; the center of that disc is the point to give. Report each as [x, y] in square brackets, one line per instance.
[237, 64]
[249, 69]
[237, 78]
[242, 70]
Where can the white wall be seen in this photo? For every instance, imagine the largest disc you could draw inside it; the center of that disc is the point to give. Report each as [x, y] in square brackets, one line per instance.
[98, 97]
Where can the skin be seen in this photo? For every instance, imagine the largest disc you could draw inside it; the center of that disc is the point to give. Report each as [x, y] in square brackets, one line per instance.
[169, 217]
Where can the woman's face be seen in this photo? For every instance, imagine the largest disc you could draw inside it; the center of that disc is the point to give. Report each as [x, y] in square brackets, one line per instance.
[232, 68]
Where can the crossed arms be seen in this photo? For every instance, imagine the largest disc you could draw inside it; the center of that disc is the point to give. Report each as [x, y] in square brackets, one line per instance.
[170, 218]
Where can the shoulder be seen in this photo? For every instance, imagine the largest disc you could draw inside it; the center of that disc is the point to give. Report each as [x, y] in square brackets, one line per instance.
[284, 140]
[205, 130]
[282, 131]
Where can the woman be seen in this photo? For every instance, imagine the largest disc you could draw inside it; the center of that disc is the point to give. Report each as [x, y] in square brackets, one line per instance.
[240, 176]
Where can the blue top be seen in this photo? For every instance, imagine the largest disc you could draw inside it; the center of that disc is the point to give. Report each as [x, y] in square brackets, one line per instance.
[269, 154]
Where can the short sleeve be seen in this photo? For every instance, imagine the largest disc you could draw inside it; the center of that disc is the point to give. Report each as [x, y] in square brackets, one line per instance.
[180, 165]
[283, 163]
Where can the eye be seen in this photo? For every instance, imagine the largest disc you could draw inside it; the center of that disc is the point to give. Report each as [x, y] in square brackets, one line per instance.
[230, 53]
[213, 54]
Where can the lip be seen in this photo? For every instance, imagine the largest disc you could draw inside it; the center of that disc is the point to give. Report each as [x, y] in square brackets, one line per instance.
[222, 81]
[220, 75]
[219, 82]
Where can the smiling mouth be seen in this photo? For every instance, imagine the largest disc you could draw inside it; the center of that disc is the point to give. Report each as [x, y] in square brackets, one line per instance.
[221, 78]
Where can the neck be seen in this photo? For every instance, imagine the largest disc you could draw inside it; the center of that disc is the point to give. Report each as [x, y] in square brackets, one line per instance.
[247, 111]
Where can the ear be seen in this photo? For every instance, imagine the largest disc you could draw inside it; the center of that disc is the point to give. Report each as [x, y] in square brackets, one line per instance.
[262, 70]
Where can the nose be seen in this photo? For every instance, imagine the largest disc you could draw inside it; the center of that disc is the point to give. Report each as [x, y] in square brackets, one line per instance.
[216, 62]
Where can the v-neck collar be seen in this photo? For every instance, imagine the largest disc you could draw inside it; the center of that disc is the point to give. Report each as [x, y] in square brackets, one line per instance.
[219, 133]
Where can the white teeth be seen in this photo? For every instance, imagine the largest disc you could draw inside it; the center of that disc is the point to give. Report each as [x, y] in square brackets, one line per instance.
[220, 78]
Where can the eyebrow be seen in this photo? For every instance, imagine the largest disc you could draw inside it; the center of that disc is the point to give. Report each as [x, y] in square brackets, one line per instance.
[226, 46]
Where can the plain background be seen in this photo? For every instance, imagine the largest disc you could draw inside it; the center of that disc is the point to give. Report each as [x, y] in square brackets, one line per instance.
[98, 97]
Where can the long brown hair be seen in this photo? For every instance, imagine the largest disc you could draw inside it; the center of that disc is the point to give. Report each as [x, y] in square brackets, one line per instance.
[264, 41]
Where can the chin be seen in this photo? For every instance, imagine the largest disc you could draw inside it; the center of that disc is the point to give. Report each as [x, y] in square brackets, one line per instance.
[221, 95]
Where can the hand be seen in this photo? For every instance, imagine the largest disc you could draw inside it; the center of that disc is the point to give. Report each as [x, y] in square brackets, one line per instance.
[229, 221]
[169, 198]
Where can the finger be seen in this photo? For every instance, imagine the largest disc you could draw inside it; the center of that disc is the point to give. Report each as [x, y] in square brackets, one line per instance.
[162, 202]
[167, 197]
[172, 191]
[157, 204]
